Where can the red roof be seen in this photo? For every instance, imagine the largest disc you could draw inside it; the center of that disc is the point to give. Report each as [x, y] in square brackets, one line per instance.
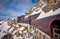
[44, 24]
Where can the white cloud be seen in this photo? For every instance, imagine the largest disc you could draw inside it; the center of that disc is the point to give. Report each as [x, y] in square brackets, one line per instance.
[7, 7]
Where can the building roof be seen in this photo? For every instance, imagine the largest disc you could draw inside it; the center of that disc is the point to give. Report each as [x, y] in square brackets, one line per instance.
[44, 24]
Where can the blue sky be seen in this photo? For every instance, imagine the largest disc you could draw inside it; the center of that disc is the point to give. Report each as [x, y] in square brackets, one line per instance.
[15, 8]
